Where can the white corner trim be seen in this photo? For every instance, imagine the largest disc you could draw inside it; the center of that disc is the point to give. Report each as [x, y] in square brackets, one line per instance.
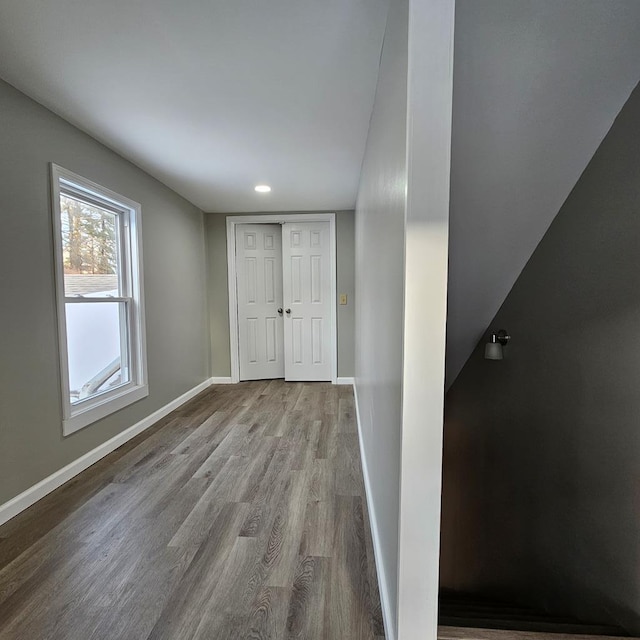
[387, 618]
[24, 500]
[222, 380]
[350, 381]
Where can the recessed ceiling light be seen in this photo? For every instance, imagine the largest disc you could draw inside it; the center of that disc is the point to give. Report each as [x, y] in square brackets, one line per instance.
[263, 188]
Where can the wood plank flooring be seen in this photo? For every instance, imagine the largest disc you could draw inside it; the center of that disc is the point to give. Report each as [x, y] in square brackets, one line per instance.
[239, 516]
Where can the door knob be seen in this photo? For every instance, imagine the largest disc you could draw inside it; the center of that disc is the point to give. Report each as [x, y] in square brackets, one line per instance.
[287, 311]
[280, 310]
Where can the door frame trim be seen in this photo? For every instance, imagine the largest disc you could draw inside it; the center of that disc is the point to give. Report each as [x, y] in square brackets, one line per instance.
[278, 218]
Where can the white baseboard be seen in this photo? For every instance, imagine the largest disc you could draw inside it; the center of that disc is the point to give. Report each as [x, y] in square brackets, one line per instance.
[389, 628]
[24, 500]
[229, 380]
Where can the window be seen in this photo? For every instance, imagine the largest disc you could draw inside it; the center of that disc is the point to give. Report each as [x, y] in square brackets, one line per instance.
[100, 302]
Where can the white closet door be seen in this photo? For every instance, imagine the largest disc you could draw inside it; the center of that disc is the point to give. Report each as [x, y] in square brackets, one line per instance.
[306, 255]
[259, 288]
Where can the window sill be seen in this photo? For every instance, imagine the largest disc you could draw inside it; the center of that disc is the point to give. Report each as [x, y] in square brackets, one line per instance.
[99, 410]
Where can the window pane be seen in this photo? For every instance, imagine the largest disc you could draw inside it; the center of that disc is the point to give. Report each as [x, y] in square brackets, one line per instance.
[97, 347]
[89, 248]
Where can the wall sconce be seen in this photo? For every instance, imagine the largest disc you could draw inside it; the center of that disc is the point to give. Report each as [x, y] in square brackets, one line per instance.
[493, 348]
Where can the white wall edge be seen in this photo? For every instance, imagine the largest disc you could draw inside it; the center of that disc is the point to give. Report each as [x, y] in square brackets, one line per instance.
[38, 491]
[373, 522]
[222, 380]
[350, 381]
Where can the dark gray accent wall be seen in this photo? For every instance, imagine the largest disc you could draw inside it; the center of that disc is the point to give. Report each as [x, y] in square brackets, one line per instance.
[541, 497]
[218, 290]
[531, 106]
[31, 442]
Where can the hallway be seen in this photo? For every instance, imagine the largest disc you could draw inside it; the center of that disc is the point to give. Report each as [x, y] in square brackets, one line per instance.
[240, 515]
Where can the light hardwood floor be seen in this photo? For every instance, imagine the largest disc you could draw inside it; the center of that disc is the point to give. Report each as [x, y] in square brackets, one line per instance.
[240, 515]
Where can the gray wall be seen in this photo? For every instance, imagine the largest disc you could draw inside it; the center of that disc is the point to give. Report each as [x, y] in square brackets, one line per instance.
[380, 219]
[31, 442]
[542, 449]
[531, 107]
[218, 291]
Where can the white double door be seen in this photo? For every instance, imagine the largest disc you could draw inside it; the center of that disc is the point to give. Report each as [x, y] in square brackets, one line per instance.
[283, 281]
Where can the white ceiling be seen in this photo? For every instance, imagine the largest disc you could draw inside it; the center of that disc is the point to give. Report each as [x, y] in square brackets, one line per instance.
[210, 96]
[537, 85]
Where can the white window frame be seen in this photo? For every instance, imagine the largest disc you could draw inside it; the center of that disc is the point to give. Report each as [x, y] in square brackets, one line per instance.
[85, 412]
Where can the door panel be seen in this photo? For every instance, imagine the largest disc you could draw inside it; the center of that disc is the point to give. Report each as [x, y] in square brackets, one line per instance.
[307, 294]
[259, 289]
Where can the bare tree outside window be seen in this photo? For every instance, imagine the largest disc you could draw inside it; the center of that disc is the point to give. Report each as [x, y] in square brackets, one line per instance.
[89, 247]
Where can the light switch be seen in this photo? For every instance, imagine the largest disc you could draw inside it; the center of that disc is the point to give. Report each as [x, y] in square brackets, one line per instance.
[343, 298]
